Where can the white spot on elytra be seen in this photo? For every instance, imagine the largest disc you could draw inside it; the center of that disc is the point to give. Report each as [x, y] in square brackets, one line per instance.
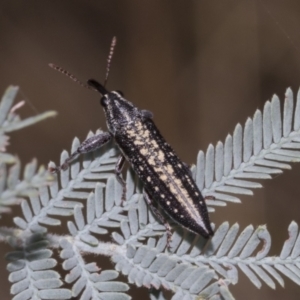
[130, 133]
[154, 144]
[170, 169]
[151, 161]
[146, 134]
[168, 202]
[162, 195]
[149, 179]
[161, 155]
[138, 142]
[175, 210]
[173, 189]
[163, 177]
[144, 151]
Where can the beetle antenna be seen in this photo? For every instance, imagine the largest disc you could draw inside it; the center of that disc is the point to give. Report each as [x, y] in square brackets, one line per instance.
[109, 58]
[70, 75]
[90, 86]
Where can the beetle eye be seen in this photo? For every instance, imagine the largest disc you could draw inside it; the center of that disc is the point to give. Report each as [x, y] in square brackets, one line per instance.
[121, 93]
[103, 101]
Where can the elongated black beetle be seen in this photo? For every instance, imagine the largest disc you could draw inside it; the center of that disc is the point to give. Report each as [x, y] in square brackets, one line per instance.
[167, 180]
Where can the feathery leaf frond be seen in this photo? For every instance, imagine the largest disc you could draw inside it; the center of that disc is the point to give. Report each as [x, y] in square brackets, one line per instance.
[86, 279]
[12, 189]
[31, 271]
[89, 193]
[266, 146]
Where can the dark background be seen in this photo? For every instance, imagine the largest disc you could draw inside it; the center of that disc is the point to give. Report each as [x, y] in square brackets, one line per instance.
[200, 66]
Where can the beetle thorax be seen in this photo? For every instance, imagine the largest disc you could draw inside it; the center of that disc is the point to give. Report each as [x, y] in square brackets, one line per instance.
[118, 111]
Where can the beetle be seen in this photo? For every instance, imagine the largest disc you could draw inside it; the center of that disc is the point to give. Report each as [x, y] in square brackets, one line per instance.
[166, 179]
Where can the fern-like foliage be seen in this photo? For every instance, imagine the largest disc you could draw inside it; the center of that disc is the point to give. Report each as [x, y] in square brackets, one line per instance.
[269, 142]
[31, 271]
[12, 189]
[89, 195]
[31, 261]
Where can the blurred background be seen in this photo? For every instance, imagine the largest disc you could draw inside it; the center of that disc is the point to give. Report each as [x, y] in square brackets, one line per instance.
[200, 66]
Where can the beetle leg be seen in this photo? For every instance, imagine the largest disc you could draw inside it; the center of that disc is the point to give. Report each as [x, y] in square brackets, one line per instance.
[91, 144]
[146, 114]
[118, 170]
[209, 197]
